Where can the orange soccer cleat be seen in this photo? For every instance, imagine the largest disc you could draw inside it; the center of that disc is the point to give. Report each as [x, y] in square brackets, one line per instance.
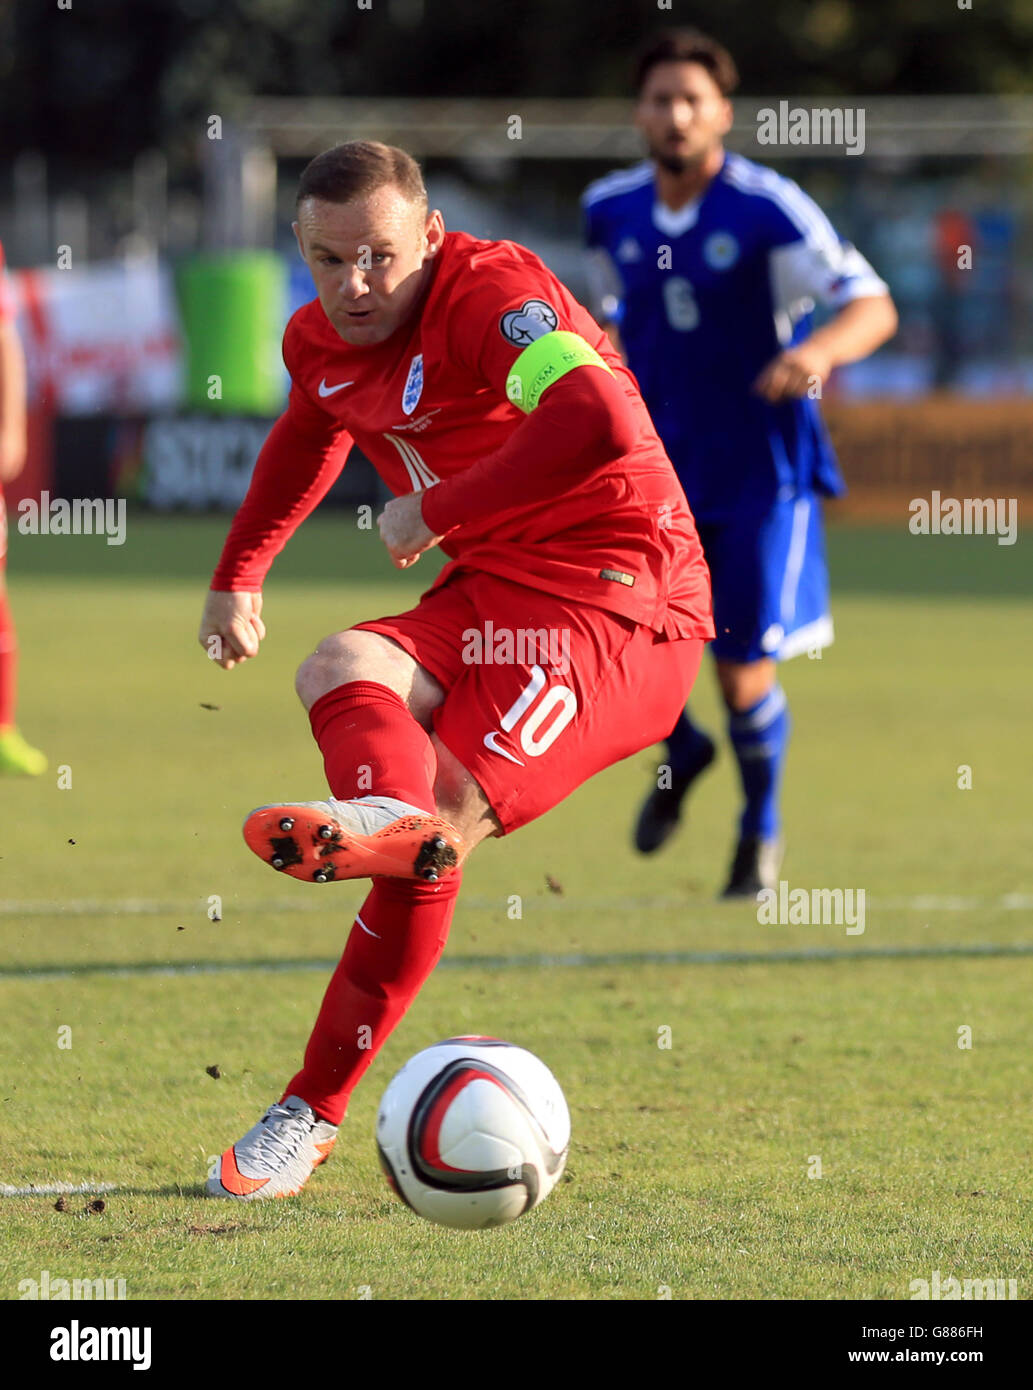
[277, 1157]
[320, 841]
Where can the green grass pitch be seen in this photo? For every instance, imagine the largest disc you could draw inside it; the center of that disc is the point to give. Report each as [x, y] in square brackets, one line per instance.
[693, 1168]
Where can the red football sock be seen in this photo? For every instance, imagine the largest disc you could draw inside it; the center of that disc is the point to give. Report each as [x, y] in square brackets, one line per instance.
[372, 746]
[395, 943]
[8, 664]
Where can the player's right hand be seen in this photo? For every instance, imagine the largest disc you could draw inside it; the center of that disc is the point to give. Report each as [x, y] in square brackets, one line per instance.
[231, 627]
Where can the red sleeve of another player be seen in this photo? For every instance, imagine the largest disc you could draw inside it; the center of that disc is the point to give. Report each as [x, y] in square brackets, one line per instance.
[299, 463]
[584, 420]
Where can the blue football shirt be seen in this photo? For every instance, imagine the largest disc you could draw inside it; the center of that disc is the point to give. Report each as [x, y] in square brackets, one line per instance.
[704, 298]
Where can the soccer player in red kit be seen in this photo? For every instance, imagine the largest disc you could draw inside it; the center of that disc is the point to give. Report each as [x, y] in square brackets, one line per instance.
[17, 757]
[513, 437]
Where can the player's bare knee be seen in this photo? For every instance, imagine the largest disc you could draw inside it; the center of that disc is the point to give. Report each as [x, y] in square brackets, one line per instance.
[324, 670]
[353, 656]
[744, 684]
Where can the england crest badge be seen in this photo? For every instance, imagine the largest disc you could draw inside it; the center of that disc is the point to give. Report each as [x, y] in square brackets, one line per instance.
[414, 385]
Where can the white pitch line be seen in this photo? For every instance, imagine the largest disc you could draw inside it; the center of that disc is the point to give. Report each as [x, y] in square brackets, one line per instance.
[192, 908]
[803, 956]
[57, 1189]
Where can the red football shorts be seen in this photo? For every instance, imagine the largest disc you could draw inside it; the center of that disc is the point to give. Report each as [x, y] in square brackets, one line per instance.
[541, 692]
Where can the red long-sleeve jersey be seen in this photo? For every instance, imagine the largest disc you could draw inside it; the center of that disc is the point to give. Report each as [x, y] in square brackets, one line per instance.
[577, 497]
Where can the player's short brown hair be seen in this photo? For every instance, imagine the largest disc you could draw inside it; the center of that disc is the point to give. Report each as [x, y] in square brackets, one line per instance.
[687, 46]
[358, 167]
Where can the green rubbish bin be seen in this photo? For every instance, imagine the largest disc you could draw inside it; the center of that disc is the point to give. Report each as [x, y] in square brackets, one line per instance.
[233, 309]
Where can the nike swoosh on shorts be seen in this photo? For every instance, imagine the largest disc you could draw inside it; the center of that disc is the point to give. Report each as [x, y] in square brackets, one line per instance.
[489, 742]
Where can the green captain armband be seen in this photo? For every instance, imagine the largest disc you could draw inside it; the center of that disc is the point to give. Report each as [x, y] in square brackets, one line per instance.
[547, 359]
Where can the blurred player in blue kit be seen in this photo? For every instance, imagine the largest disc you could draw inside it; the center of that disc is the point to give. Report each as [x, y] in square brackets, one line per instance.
[705, 269]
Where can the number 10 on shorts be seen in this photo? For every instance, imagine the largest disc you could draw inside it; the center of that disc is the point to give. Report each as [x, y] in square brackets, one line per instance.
[558, 700]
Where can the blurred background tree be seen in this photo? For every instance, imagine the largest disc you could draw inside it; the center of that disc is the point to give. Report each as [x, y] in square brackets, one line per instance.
[93, 85]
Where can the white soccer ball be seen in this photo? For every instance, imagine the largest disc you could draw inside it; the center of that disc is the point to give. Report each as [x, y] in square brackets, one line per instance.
[473, 1132]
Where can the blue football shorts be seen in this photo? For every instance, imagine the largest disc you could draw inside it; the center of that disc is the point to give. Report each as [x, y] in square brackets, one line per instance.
[770, 582]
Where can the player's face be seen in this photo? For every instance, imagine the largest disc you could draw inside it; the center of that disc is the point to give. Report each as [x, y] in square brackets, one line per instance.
[370, 259]
[682, 114]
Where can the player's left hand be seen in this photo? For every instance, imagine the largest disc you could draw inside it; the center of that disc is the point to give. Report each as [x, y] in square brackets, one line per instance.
[799, 371]
[404, 531]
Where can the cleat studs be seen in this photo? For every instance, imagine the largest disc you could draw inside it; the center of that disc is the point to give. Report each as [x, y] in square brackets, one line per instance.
[287, 823]
[326, 832]
[321, 876]
[436, 857]
[284, 852]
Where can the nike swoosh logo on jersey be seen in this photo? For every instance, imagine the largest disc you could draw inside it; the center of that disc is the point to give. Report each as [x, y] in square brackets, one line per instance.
[490, 742]
[325, 390]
